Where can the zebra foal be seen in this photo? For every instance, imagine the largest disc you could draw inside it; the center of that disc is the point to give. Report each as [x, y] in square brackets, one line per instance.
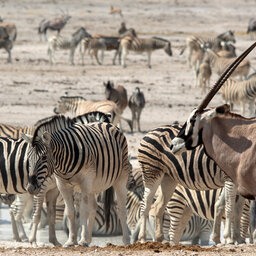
[140, 45]
[91, 158]
[240, 92]
[63, 43]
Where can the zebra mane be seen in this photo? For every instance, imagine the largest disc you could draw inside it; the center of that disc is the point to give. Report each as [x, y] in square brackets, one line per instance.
[59, 122]
[161, 39]
[51, 124]
[72, 98]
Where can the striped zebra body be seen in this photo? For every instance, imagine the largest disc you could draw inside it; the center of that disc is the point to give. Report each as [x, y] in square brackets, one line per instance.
[79, 106]
[193, 170]
[219, 64]
[197, 227]
[140, 45]
[59, 42]
[92, 158]
[14, 132]
[240, 92]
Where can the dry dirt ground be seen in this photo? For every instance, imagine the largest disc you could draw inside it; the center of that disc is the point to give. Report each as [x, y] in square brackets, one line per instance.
[30, 87]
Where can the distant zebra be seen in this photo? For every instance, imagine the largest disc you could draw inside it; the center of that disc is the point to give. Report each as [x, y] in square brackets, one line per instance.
[78, 106]
[5, 42]
[136, 104]
[59, 42]
[140, 45]
[219, 64]
[100, 42]
[193, 43]
[122, 31]
[204, 75]
[94, 158]
[160, 168]
[240, 92]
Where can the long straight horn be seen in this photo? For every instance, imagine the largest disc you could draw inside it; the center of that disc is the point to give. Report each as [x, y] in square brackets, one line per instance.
[226, 74]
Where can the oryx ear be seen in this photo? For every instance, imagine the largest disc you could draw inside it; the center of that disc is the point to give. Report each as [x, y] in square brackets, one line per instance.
[223, 109]
[46, 137]
[28, 138]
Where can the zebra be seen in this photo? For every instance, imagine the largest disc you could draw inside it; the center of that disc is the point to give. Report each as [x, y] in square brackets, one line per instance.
[122, 31]
[59, 42]
[91, 157]
[243, 92]
[193, 170]
[204, 75]
[136, 104]
[78, 105]
[14, 132]
[197, 227]
[219, 64]
[140, 45]
[11, 29]
[100, 42]
[52, 24]
[193, 43]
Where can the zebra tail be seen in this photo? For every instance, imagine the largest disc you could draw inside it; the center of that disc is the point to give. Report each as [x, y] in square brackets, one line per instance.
[108, 202]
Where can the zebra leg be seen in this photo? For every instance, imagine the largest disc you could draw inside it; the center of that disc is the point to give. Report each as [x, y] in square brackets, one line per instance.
[95, 52]
[14, 227]
[51, 198]
[66, 191]
[149, 59]
[178, 222]
[121, 195]
[237, 220]
[71, 56]
[230, 197]
[88, 209]
[138, 119]
[218, 214]
[124, 55]
[50, 54]
[167, 188]
[102, 56]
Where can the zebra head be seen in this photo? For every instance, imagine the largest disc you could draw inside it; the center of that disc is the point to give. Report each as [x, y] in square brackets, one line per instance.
[168, 49]
[227, 36]
[40, 161]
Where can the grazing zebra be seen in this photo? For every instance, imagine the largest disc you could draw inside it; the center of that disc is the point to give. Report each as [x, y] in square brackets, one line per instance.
[193, 43]
[219, 64]
[90, 157]
[136, 104]
[100, 42]
[59, 42]
[140, 45]
[193, 170]
[53, 24]
[251, 27]
[240, 92]
[78, 105]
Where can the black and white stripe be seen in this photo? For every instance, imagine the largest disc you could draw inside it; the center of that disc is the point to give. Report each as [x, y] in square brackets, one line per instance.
[92, 157]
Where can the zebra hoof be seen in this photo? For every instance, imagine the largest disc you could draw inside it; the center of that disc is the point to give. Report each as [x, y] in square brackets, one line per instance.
[83, 243]
[69, 244]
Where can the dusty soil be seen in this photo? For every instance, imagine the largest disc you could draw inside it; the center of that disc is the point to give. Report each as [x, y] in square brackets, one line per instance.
[30, 87]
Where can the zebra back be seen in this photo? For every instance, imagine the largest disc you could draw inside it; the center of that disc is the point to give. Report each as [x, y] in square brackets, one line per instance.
[193, 169]
[15, 132]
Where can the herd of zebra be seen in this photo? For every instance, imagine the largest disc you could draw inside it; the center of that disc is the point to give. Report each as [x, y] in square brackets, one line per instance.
[80, 166]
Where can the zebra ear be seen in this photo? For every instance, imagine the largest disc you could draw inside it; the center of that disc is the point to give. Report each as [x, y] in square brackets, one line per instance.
[28, 138]
[46, 137]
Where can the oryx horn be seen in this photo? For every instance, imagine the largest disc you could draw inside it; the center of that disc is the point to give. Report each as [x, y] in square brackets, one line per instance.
[226, 74]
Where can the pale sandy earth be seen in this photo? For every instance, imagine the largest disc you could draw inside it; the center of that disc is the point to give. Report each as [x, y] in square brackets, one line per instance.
[30, 86]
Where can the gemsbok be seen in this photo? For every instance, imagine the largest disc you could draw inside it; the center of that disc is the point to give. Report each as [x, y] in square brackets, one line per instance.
[229, 139]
